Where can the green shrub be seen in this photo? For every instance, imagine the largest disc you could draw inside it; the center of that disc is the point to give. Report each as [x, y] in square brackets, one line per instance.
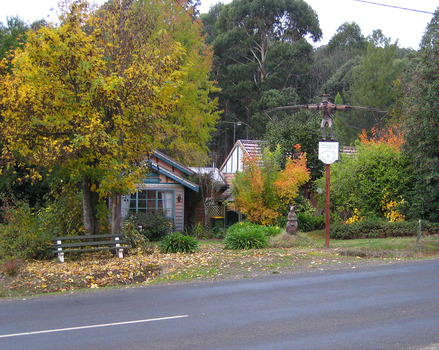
[24, 235]
[430, 227]
[246, 225]
[374, 229]
[358, 182]
[309, 223]
[154, 225]
[304, 206]
[271, 231]
[178, 243]
[246, 236]
[134, 238]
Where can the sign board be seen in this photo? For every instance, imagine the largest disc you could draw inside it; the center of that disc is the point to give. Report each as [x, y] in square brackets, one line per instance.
[328, 151]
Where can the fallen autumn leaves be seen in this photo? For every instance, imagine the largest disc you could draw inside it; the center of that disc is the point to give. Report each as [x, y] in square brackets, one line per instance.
[90, 271]
[211, 262]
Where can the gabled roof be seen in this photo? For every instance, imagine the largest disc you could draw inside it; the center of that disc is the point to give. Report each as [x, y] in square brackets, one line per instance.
[180, 179]
[249, 147]
[172, 162]
[168, 172]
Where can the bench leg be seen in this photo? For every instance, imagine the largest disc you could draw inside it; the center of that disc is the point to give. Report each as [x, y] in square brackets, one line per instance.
[119, 251]
[60, 253]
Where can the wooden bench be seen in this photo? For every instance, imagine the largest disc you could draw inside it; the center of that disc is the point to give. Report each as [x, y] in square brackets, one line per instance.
[76, 244]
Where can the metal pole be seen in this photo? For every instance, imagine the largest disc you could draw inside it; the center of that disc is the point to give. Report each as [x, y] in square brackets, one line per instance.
[328, 177]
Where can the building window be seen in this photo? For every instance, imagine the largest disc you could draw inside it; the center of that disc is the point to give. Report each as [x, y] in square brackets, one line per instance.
[150, 200]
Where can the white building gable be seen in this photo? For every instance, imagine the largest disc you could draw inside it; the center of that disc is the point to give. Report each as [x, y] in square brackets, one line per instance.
[233, 162]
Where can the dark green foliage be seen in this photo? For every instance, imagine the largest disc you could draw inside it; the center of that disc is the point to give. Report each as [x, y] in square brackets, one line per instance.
[372, 79]
[261, 61]
[430, 227]
[134, 238]
[245, 235]
[301, 129]
[271, 231]
[360, 182]
[374, 229]
[340, 82]
[422, 102]
[304, 206]
[309, 223]
[286, 63]
[154, 225]
[348, 40]
[332, 67]
[16, 183]
[245, 240]
[178, 243]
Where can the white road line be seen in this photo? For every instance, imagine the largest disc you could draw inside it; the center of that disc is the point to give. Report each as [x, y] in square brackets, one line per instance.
[92, 326]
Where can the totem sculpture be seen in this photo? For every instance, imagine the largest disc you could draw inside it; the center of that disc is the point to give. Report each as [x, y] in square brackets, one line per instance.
[292, 223]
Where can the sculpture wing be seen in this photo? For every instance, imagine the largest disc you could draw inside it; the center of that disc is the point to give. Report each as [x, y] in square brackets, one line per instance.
[283, 108]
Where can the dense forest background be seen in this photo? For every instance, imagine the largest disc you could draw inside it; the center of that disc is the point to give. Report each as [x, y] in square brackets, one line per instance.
[264, 58]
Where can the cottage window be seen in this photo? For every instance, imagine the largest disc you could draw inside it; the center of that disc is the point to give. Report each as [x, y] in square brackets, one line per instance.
[149, 200]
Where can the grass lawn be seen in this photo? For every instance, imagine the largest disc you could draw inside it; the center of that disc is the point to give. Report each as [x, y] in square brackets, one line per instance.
[302, 253]
[400, 247]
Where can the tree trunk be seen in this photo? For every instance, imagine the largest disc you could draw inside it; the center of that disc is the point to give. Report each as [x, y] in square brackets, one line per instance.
[89, 207]
[116, 215]
[263, 63]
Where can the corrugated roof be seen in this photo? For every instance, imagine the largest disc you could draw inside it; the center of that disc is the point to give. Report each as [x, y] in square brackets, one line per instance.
[251, 147]
[214, 173]
[349, 150]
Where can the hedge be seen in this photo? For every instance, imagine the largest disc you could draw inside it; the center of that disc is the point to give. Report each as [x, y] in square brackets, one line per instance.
[380, 229]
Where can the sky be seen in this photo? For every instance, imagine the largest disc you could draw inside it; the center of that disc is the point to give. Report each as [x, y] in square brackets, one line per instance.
[405, 26]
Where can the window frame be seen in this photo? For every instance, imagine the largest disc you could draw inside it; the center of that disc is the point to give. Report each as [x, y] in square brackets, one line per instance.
[155, 200]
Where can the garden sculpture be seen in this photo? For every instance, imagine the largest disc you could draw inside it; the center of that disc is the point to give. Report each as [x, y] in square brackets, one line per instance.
[292, 223]
[327, 108]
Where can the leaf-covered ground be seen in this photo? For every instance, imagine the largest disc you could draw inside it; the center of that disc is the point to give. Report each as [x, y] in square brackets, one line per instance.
[211, 262]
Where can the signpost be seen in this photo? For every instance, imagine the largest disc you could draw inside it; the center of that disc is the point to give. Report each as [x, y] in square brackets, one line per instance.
[328, 154]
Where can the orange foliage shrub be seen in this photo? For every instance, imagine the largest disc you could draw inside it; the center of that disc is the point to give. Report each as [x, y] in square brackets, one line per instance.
[391, 135]
[261, 189]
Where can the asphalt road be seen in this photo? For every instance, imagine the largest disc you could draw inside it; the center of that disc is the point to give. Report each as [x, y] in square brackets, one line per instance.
[386, 307]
